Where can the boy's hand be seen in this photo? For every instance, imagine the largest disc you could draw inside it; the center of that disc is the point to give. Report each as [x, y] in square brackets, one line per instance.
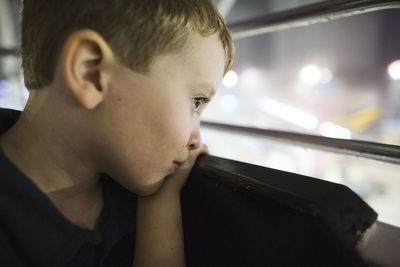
[174, 182]
[159, 234]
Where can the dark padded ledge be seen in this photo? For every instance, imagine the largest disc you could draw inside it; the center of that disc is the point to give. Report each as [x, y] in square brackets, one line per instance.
[238, 214]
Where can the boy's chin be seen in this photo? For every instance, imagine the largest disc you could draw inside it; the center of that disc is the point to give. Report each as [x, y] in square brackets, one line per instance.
[148, 190]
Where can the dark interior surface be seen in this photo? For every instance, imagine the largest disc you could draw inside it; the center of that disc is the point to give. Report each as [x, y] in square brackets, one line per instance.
[237, 214]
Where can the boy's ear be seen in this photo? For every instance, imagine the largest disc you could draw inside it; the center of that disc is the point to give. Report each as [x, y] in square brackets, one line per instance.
[84, 60]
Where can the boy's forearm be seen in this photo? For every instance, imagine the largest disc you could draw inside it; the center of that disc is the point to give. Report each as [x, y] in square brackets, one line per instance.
[159, 233]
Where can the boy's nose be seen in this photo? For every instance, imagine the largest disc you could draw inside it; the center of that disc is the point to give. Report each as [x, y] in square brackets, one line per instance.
[195, 138]
[195, 144]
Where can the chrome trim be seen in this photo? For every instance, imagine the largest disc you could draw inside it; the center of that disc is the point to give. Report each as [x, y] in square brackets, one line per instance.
[307, 15]
[371, 150]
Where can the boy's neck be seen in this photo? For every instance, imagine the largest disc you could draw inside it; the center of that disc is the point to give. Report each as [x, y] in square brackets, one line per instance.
[54, 162]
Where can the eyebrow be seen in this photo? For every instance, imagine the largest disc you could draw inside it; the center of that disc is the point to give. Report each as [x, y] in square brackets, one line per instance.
[208, 87]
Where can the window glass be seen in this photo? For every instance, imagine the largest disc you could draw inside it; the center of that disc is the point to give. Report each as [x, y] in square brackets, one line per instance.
[339, 79]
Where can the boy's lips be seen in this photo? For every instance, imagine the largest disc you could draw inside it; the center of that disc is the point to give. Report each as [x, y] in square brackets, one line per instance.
[177, 164]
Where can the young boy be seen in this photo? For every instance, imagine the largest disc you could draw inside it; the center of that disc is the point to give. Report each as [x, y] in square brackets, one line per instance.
[91, 170]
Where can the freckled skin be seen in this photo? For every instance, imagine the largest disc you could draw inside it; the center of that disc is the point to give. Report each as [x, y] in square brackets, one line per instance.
[154, 118]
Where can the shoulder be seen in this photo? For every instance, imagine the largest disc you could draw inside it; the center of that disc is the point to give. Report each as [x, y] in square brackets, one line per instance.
[8, 255]
[8, 117]
[119, 202]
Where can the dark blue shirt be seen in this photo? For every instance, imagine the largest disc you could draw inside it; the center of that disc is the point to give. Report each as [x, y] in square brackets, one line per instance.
[34, 233]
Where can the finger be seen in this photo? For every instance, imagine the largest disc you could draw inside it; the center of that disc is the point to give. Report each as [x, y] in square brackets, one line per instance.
[203, 149]
[206, 151]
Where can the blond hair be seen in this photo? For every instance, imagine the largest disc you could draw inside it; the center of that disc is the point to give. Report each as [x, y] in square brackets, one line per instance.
[136, 30]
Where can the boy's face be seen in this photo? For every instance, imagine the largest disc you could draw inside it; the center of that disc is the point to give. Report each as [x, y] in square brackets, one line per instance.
[149, 121]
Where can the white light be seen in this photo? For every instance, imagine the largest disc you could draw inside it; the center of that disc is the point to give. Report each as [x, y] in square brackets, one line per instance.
[288, 113]
[204, 135]
[25, 91]
[250, 78]
[231, 79]
[228, 103]
[326, 76]
[330, 129]
[5, 86]
[310, 74]
[6, 96]
[394, 70]
[280, 161]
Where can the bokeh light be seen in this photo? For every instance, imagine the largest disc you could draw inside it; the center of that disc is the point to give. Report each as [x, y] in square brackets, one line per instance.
[330, 129]
[288, 113]
[326, 75]
[251, 78]
[394, 70]
[231, 79]
[228, 103]
[310, 74]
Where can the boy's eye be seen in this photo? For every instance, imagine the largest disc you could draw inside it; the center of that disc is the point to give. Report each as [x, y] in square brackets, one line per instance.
[198, 101]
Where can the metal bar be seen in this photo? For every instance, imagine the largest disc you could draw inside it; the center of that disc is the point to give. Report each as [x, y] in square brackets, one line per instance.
[307, 15]
[302, 16]
[9, 51]
[376, 151]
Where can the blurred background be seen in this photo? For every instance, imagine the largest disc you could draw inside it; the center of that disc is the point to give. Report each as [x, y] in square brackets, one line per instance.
[337, 79]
